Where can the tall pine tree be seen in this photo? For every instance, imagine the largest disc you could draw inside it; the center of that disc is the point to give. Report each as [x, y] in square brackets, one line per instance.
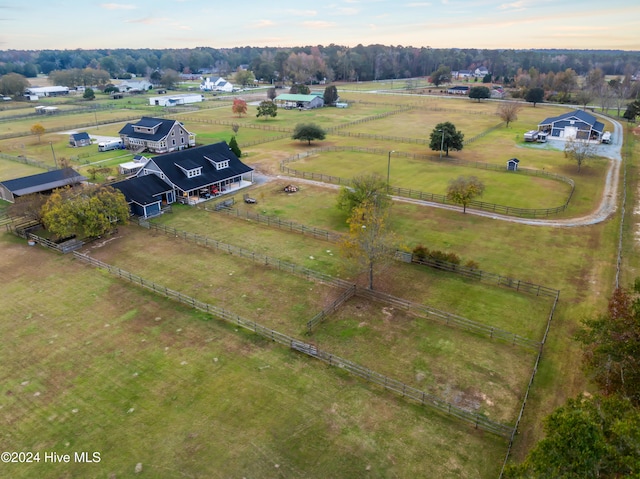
[233, 146]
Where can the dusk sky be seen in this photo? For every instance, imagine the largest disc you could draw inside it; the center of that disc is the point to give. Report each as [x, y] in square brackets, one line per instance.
[70, 24]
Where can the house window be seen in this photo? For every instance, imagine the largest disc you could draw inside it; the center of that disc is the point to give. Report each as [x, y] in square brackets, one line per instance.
[173, 133]
[193, 173]
[220, 165]
[173, 142]
[182, 140]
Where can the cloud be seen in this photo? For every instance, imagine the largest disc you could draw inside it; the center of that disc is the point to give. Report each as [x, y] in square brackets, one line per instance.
[148, 20]
[319, 24]
[346, 11]
[418, 4]
[303, 13]
[519, 5]
[263, 24]
[118, 6]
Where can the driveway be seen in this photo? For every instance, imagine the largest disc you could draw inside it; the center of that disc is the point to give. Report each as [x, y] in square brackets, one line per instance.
[606, 208]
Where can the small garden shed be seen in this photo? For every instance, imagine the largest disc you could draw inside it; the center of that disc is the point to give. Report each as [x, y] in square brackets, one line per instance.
[512, 164]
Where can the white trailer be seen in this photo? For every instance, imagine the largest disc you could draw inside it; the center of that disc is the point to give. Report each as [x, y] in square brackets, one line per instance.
[606, 137]
[531, 135]
[110, 145]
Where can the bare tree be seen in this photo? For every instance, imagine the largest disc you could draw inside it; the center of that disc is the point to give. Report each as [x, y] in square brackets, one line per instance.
[584, 97]
[579, 151]
[508, 111]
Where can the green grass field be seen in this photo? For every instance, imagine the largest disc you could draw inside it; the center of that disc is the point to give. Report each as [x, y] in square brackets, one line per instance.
[99, 366]
[96, 364]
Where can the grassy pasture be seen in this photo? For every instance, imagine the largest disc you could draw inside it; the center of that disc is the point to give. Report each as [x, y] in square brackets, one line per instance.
[92, 364]
[469, 371]
[13, 169]
[501, 247]
[520, 314]
[578, 261]
[325, 117]
[502, 187]
[60, 120]
[390, 344]
[277, 299]
[419, 123]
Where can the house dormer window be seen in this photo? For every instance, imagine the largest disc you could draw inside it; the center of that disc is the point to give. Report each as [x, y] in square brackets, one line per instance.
[191, 171]
[219, 164]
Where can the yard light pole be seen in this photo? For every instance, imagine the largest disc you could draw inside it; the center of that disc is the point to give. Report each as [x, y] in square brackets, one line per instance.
[441, 142]
[389, 168]
[54, 155]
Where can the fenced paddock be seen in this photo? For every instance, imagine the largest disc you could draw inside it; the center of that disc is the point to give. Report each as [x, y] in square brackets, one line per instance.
[434, 197]
[478, 421]
[434, 316]
[331, 236]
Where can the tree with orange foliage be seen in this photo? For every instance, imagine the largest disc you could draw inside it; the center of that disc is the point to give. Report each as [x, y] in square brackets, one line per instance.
[239, 107]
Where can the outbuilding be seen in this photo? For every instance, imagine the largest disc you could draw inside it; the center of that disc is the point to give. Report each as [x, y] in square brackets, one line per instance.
[79, 139]
[306, 102]
[173, 100]
[512, 164]
[43, 183]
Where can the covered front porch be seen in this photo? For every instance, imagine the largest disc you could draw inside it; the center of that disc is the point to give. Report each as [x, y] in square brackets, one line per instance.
[215, 190]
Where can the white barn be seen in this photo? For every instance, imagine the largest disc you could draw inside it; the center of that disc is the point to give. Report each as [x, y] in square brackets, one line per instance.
[173, 100]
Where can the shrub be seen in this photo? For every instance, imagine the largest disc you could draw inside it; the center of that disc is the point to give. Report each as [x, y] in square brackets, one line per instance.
[421, 252]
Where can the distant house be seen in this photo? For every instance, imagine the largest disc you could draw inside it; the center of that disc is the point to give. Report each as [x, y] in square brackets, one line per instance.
[47, 91]
[576, 124]
[134, 86]
[79, 139]
[216, 84]
[188, 176]
[459, 90]
[44, 183]
[156, 135]
[173, 100]
[481, 72]
[461, 74]
[307, 102]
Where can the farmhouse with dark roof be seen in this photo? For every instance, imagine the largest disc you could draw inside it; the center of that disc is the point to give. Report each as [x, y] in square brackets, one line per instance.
[156, 135]
[187, 176]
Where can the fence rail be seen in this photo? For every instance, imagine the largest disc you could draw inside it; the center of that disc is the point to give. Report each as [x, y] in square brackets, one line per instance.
[479, 421]
[450, 319]
[432, 197]
[333, 307]
[248, 254]
[516, 284]
[472, 273]
[277, 222]
[350, 289]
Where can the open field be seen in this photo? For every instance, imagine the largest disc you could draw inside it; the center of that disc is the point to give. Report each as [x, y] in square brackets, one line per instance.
[91, 364]
[285, 303]
[335, 426]
[501, 187]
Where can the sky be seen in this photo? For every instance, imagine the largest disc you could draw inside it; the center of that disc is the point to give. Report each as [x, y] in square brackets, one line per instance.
[482, 24]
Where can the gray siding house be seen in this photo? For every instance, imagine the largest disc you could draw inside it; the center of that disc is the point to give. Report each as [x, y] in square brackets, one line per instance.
[156, 135]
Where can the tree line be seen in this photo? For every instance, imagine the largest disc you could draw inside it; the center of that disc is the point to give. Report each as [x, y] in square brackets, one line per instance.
[308, 63]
